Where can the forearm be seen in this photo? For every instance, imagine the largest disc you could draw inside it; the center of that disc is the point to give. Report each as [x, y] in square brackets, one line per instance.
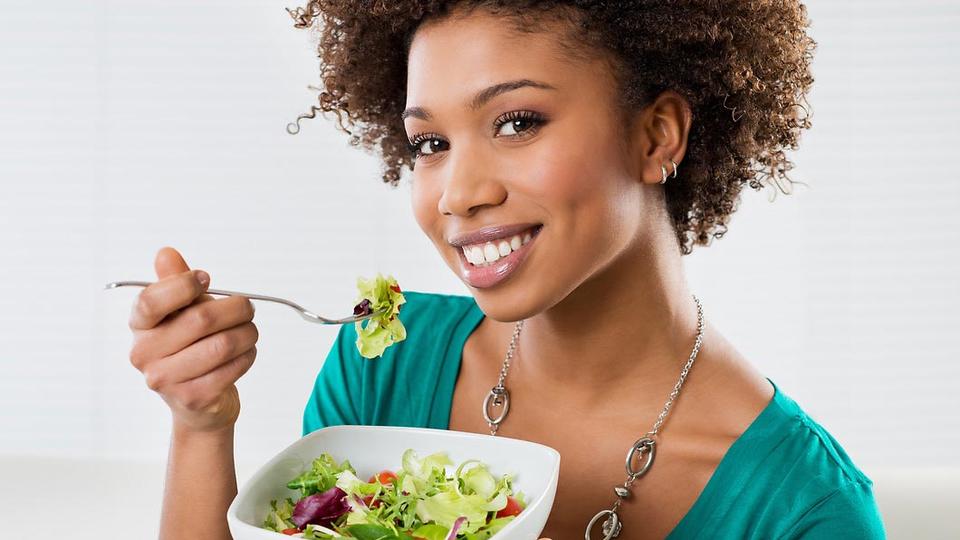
[200, 484]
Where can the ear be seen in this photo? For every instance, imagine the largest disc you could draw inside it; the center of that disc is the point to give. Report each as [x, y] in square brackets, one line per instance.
[659, 134]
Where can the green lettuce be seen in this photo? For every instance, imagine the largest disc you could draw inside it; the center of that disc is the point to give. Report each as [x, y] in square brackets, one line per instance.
[321, 476]
[376, 334]
[493, 527]
[474, 493]
[278, 518]
[432, 532]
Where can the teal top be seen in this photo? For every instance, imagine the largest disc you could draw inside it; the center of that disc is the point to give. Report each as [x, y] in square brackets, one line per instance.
[785, 477]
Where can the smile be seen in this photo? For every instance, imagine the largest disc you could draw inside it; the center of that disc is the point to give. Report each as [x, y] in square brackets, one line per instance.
[489, 263]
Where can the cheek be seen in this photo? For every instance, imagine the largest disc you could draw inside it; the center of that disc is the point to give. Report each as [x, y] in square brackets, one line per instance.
[572, 175]
[419, 202]
[424, 205]
[581, 184]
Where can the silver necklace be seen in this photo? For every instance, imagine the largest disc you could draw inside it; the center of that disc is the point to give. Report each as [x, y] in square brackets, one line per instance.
[643, 449]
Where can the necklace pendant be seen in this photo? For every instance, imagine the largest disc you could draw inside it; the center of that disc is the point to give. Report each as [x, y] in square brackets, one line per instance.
[498, 396]
[610, 526]
[644, 445]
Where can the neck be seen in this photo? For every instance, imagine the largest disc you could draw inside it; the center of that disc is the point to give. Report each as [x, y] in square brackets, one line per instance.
[630, 329]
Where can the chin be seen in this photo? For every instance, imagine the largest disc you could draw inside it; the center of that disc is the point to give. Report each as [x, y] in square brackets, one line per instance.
[505, 307]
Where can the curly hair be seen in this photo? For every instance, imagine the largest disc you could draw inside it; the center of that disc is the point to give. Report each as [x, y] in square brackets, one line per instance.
[742, 65]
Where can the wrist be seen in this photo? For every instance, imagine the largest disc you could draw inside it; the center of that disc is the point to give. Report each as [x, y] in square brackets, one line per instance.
[184, 432]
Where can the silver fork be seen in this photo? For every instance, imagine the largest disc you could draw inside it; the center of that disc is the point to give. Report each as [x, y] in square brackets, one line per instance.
[308, 315]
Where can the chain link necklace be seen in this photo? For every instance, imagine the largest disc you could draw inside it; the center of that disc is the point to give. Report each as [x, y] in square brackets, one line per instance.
[644, 448]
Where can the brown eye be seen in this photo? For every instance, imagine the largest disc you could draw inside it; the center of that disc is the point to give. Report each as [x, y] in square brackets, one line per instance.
[520, 122]
[434, 145]
[517, 125]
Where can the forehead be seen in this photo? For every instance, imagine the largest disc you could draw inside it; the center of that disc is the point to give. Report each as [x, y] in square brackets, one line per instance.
[451, 58]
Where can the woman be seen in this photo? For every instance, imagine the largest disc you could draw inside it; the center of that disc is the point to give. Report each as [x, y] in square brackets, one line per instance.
[564, 156]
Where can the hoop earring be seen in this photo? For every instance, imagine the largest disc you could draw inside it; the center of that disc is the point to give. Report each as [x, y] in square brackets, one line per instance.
[663, 172]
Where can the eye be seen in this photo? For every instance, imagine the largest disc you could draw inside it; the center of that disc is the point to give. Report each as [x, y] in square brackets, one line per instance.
[417, 144]
[517, 119]
[522, 124]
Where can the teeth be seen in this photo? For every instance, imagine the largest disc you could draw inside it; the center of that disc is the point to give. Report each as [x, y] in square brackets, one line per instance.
[481, 254]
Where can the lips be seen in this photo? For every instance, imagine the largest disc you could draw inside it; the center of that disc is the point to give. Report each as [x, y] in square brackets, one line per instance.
[487, 234]
[494, 273]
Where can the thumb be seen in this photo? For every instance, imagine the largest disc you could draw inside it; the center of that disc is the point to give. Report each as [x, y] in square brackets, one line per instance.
[169, 262]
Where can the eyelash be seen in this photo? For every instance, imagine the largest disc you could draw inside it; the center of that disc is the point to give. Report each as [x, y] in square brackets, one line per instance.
[536, 119]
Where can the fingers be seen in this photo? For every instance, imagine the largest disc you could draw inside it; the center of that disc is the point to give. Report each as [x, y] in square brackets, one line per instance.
[161, 298]
[200, 392]
[202, 357]
[191, 347]
[192, 323]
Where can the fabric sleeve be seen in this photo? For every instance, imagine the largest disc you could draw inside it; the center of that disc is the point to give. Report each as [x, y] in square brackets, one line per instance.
[849, 512]
[336, 396]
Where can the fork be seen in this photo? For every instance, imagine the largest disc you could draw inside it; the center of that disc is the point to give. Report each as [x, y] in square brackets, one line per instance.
[308, 315]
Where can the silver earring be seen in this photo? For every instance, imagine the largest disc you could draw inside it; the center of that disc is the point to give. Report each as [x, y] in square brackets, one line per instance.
[663, 172]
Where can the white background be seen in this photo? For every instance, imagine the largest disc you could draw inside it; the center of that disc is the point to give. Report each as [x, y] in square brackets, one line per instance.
[128, 126]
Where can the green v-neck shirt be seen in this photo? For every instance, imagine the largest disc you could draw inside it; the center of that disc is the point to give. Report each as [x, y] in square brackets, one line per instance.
[784, 477]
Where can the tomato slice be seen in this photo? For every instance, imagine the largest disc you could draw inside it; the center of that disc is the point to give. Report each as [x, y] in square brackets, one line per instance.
[289, 532]
[371, 502]
[385, 477]
[511, 509]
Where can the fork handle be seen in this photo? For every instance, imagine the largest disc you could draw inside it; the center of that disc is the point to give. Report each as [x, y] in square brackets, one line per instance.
[308, 315]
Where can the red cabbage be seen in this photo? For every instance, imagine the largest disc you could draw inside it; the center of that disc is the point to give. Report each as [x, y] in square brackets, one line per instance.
[363, 308]
[452, 535]
[320, 508]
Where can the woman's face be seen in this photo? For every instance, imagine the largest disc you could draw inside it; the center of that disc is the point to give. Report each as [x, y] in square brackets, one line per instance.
[548, 155]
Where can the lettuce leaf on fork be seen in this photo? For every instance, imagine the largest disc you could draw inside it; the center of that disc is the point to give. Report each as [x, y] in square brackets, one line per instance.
[376, 334]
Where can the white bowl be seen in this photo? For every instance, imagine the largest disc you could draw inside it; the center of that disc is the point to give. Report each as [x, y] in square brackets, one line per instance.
[371, 449]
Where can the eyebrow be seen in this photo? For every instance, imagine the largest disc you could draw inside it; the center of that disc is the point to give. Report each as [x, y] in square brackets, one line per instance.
[481, 97]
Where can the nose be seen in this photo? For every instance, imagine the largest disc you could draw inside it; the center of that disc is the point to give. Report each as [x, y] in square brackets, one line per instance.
[470, 185]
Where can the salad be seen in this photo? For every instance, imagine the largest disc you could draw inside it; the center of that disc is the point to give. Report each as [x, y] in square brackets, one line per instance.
[419, 501]
[378, 294]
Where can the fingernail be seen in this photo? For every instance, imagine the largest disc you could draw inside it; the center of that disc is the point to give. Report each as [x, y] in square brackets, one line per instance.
[203, 277]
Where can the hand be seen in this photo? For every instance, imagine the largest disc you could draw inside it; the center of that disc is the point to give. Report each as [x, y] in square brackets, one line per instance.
[191, 347]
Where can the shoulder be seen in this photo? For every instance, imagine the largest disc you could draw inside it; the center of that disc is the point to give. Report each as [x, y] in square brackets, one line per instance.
[404, 386]
[432, 307]
[848, 511]
[785, 477]
[811, 481]
[425, 315]
[433, 322]
[809, 441]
